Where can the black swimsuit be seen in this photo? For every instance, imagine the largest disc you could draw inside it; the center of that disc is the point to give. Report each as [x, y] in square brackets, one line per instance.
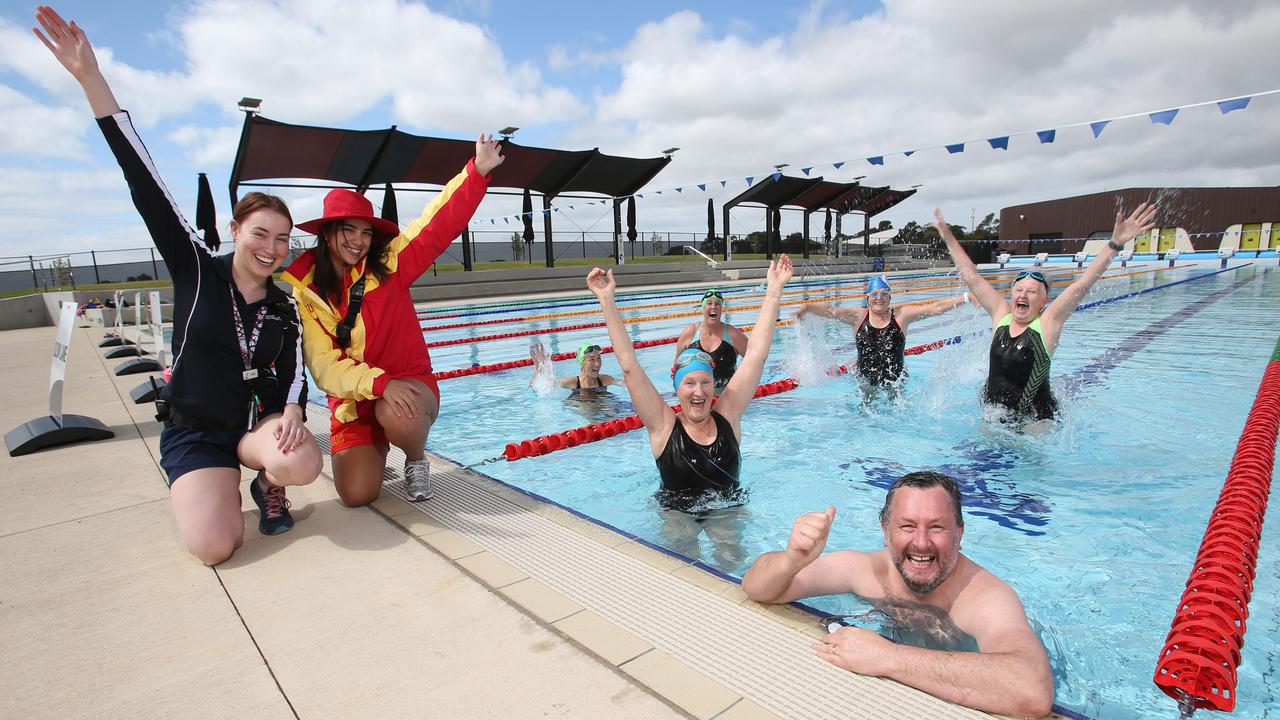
[725, 357]
[587, 392]
[880, 359]
[693, 473]
[1018, 375]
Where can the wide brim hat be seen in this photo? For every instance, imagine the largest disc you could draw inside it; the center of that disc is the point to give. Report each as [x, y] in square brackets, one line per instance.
[342, 204]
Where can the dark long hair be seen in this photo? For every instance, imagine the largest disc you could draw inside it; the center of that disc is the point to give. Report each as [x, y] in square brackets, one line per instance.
[327, 279]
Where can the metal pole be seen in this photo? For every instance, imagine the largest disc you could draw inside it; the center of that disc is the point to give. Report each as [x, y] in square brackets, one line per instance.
[466, 249]
[35, 279]
[155, 272]
[96, 277]
[617, 230]
[584, 246]
[805, 240]
[546, 230]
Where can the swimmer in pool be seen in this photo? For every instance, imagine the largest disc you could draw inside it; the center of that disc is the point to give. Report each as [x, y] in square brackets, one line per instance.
[920, 578]
[722, 341]
[880, 330]
[588, 382]
[1026, 326]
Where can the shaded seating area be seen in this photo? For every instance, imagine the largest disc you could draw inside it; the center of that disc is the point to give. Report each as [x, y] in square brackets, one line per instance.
[360, 159]
[809, 195]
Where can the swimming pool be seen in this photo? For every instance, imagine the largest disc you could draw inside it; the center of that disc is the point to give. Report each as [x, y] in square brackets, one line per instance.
[1094, 524]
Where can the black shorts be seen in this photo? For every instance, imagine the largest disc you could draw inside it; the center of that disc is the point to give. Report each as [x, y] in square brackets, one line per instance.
[183, 450]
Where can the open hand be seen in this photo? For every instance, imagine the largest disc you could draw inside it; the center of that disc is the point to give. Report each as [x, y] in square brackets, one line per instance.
[779, 272]
[488, 154]
[1142, 219]
[858, 650]
[403, 396]
[809, 536]
[67, 42]
[601, 283]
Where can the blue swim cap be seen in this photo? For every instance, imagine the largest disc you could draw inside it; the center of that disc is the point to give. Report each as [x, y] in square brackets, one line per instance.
[691, 360]
[877, 283]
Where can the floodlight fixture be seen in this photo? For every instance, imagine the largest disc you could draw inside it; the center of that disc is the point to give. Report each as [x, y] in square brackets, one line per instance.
[670, 151]
[253, 106]
[507, 132]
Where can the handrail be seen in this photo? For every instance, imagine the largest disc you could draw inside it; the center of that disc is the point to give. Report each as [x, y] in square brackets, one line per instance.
[706, 257]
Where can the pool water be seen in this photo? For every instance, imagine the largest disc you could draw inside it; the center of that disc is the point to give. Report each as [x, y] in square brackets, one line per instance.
[1094, 524]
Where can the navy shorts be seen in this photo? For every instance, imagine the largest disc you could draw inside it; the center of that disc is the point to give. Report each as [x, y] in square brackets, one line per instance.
[183, 450]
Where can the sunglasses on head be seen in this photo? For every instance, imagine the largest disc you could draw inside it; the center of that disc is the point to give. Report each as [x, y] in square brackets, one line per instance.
[1034, 275]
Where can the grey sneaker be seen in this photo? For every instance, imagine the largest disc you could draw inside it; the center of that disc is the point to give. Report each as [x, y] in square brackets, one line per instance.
[417, 479]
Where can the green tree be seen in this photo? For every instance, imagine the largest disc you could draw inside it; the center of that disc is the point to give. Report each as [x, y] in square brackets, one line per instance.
[517, 246]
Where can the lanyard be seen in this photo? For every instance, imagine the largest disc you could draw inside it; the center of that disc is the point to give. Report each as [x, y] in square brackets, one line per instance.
[246, 351]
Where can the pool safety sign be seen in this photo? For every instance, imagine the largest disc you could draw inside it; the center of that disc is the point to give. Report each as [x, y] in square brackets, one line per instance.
[56, 428]
[61, 345]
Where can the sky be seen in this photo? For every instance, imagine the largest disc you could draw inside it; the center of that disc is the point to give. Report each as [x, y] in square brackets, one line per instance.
[740, 87]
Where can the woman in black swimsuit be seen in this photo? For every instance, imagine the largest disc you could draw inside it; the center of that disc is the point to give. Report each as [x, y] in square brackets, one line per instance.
[696, 450]
[722, 341]
[588, 382]
[880, 330]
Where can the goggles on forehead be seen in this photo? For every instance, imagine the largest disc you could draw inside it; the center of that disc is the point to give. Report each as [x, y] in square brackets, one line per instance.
[686, 358]
[584, 350]
[1034, 275]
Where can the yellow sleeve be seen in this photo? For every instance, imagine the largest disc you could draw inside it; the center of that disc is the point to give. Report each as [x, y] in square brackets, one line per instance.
[334, 371]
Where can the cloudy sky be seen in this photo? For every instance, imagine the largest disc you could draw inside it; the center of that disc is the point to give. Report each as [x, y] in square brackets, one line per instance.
[739, 86]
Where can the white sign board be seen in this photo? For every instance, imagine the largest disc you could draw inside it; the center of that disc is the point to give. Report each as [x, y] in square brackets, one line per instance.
[157, 327]
[61, 345]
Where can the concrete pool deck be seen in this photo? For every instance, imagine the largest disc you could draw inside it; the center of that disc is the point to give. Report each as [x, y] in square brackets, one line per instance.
[482, 602]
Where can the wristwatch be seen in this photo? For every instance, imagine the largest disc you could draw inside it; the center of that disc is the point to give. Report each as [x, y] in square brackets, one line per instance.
[1115, 245]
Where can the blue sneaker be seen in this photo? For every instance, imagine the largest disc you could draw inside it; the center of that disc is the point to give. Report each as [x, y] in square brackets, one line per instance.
[273, 507]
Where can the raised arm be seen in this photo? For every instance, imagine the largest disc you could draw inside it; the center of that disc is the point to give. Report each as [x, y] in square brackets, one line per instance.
[71, 47]
[657, 416]
[987, 296]
[742, 386]
[1126, 228]
[910, 313]
[848, 316]
[172, 234]
[801, 570]
[1009, 674]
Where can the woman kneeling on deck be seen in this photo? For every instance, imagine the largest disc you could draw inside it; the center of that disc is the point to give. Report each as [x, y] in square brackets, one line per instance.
[361, 335]
[237, 392]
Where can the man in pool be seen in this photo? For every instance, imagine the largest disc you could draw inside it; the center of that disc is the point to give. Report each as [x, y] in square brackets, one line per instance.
[921, 569]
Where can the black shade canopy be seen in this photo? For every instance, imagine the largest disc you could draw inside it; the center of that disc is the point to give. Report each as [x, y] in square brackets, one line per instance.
[275, 150]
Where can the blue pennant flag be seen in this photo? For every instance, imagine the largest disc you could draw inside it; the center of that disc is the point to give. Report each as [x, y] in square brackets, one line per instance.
[776, 176]
[806, 171]
[702, 187]
[638, 195]
[1097, 127]
[877, 160]
[1164, 117]
[750, 180]
[679, 189]
[957, 148]
[1227, 106]
[506, 221]
[909, 153]
[1046, 136]
[722, 183]
[999, 143]
[837, 165]
[492, 221]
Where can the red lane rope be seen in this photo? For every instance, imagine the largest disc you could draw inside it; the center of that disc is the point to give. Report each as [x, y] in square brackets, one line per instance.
[1197, 666]
[526, 362]
[544, 444]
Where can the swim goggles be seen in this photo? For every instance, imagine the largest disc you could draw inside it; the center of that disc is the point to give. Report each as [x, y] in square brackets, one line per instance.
[1034, 275]
[711, 294]
[882, 293]
[691, 357]
[584, 350]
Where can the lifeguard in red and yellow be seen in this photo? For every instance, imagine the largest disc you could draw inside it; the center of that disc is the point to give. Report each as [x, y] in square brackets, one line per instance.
[360, 333]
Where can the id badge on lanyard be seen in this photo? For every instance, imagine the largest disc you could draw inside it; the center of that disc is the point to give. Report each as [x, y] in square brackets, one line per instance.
[247, 347]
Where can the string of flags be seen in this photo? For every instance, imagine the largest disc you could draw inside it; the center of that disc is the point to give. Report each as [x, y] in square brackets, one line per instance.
[999, 142]
[1032, 241]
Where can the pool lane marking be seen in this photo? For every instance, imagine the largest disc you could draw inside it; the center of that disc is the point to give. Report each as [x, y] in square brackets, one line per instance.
[427, 314]
[913, 286]
[670, 316]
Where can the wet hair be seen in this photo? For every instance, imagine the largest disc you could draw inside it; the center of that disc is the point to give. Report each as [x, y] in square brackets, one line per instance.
[924, 480]
[328, 282]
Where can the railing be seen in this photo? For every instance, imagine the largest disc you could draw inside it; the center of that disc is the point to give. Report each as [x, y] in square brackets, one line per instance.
[704, 256]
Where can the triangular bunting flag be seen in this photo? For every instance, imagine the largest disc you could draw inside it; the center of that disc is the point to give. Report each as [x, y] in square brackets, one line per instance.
[1227, 106]
[957, 148]
[702, 187]
[909, 153]
[1164, 117]
[750, 180]
[877, 160]
[776, 176]
[837, 165]
[1046, 136]
[999, 143]
[806, 171]
[679, 189]
[1097, 127]
[722, 183]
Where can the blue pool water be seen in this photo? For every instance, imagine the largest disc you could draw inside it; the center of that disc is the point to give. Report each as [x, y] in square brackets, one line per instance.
[1094, 524]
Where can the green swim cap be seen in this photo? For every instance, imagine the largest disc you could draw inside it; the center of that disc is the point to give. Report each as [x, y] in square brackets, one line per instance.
[584, 349]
